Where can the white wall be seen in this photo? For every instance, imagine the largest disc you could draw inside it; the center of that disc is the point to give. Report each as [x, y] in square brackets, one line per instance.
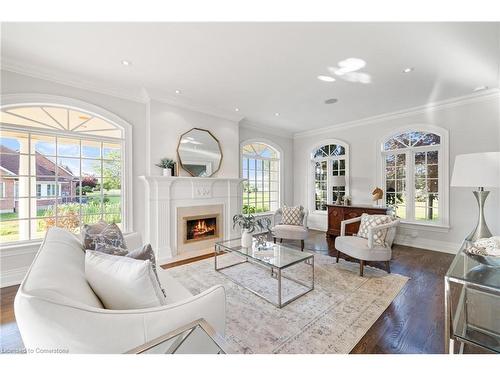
[285, 144]
[473, 125]
[169, 122]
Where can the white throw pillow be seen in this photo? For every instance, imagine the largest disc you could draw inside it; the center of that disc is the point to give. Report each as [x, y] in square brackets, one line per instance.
[122, 283]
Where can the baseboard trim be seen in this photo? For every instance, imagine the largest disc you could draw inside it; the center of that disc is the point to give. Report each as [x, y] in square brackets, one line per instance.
[428, 244]
[13, 276]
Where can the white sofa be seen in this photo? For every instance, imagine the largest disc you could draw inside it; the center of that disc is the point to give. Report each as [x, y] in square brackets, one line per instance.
[56, 308]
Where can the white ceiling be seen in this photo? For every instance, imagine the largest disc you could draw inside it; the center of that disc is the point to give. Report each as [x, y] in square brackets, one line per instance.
[264, 68]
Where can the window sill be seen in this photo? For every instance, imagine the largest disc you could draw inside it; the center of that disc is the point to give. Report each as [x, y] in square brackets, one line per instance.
[442, 228]
[20, 248]
[268, 213]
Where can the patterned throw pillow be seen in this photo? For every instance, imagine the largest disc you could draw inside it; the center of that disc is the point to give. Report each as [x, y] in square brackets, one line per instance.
[102, 232]
[292, 215]
[368, 221]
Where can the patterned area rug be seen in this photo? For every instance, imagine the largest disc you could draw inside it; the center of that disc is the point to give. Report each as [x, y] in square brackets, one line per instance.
[330, 319]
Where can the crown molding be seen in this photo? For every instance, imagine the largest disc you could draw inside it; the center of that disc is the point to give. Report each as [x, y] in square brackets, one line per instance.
[267, 129]
[58, 77]
[408, 112]
[180, 102]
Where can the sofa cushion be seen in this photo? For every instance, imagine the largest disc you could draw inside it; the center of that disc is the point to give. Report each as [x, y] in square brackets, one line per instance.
[292, 215]
[122, 283]
[291, 232]
[102, 232]
[370, 221]
[58, 271]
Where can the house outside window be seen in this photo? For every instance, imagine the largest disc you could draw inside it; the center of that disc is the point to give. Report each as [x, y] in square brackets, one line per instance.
[413, 175]
[260, 165]
[329, 160]
[61, 167]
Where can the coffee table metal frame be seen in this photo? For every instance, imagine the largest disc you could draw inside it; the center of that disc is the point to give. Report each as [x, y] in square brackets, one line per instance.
[276, 272]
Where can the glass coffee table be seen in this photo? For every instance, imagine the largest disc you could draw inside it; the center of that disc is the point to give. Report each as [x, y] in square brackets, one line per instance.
[275, 259]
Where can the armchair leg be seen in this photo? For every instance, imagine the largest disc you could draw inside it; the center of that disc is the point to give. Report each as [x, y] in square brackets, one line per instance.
[338, 255]
[361, 267]
[302, 245]
[388, 266]
[274, 239]
[281, 240]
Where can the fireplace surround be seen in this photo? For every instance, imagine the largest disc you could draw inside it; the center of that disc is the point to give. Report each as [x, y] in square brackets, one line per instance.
[171, 199]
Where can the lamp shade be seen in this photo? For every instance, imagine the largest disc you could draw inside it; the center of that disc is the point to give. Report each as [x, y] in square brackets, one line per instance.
[338, 181]
[477, 170]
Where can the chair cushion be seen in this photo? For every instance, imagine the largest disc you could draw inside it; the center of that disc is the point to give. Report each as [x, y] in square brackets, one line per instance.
[357, 247]
[122, 283]
[369, 221]
[292, 215]
[292, 232]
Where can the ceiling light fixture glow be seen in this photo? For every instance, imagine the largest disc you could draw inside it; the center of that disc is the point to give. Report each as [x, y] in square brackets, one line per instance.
[326, 78]
[277, 114]
[236, 109]
[349, 65]
[126, 63]
[177, 92]
[408, 70]
[480, 88]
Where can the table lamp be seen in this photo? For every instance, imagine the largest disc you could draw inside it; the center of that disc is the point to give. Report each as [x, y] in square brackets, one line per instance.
[478, 170]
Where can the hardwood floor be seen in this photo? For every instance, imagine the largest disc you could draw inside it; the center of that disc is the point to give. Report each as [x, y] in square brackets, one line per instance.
[413, 323]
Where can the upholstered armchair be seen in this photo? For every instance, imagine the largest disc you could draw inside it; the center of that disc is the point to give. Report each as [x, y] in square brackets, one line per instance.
[365, 249]
[287, 231]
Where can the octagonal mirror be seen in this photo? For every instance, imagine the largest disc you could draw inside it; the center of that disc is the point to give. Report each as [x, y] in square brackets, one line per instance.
[199, 153]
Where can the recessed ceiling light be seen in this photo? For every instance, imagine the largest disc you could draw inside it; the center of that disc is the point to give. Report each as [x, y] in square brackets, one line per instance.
[480, 88]
[177, 91]
[236, 109]
[277, 114]
[408, 70]
[126, 63]
[331, 101]
[326, 78]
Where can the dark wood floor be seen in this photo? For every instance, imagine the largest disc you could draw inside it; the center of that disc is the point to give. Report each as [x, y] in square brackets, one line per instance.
[413, 323]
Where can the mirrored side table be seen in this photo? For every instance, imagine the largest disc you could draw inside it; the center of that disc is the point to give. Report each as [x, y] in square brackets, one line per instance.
[197, 337]
[472, 305]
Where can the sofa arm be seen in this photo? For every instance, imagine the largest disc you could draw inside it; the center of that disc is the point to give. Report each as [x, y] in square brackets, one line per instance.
[209, 305]
[343, 223]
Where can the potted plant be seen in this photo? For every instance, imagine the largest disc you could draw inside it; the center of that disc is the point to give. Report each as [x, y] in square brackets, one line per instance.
[248, 224]
[167, 165]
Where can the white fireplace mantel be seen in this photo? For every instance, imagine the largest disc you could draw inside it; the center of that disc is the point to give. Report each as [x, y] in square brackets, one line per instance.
[165, 194]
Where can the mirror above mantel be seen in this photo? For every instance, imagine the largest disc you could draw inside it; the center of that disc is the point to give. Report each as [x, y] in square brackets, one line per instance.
[199, 153]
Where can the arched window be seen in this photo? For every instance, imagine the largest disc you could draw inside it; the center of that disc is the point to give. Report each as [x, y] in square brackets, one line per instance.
[413, 175]
[261, 167]
[330, 161]
[59, 166]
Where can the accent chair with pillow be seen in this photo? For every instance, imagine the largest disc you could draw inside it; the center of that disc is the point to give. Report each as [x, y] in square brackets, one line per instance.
[290, 224]
[373, 242]
[57, 308]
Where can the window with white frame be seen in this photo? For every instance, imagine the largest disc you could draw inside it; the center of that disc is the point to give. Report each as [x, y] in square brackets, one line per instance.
[329, 161]
[2, 189]
[412, 164]
[260, 165]
[65, 169]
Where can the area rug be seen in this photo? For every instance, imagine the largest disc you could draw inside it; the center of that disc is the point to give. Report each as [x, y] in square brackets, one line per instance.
[330, 319]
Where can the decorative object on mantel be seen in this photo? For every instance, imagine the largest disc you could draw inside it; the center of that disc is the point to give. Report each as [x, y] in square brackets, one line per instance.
[485, 251]
[199, 153]
[377, 195]
[249, 223]
[478, 170]
[338, 181]
[168, 166]
[346, 200]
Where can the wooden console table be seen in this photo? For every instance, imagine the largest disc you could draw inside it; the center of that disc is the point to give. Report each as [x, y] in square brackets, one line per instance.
[337, 213]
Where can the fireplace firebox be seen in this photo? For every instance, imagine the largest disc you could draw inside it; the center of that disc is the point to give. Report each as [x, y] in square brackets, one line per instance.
[201, 228]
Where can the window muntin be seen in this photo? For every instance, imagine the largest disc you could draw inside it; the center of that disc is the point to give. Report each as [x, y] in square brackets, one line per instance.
[63, 176]
[412, 170]
[328, 161]
[261, 167]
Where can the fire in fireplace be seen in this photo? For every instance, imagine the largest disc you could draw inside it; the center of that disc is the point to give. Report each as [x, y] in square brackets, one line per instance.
[201, 228]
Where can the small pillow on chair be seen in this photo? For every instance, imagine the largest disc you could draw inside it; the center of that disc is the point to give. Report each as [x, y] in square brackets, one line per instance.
[102, 232]
[292, 215]
[369, 221]
[122, 283]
